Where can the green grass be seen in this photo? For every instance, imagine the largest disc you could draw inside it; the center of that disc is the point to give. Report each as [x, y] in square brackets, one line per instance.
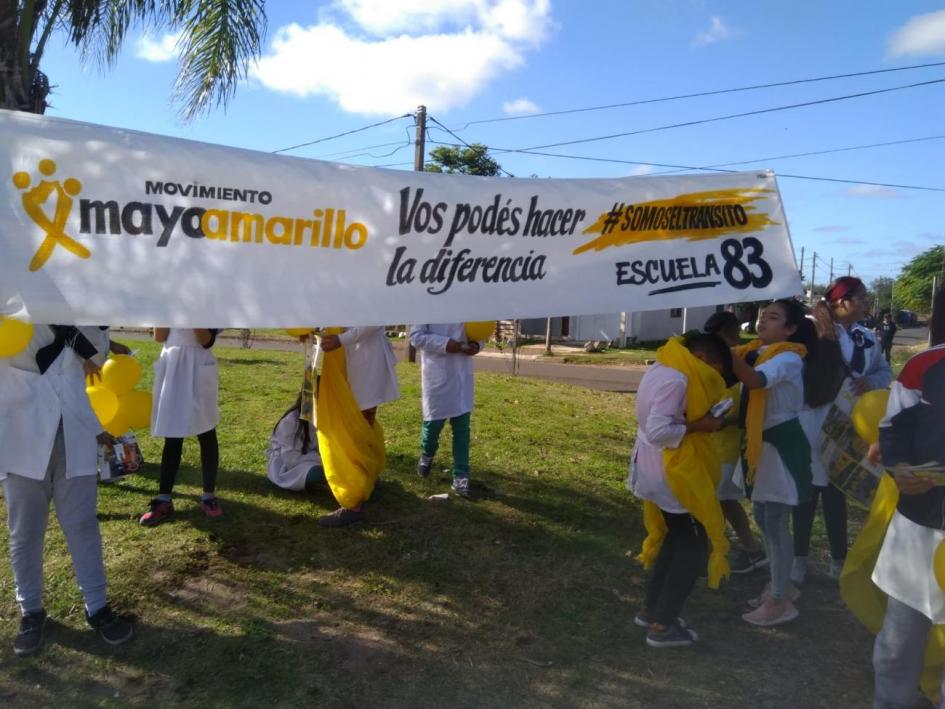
[521, 597]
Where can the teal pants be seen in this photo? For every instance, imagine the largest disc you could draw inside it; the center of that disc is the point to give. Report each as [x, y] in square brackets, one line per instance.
[430, 441]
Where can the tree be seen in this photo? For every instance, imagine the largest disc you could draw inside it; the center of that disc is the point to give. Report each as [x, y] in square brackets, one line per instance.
[473, 160]
[914, 285]
[218, 39]
[883, 292]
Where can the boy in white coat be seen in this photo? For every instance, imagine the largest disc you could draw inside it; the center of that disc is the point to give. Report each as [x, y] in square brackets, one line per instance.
[48, 452]
[446, 374]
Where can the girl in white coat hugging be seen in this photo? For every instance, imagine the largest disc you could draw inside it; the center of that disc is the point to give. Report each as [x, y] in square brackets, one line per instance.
[48, 452]
[447, 380]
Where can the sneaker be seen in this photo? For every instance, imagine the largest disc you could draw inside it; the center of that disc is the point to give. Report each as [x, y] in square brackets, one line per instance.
[461, 486]
[673, 636]
[799, 570]
[211, 506]
[793, 594]
[342, 517]
[111, 628]
[645, 619]
[30, 637]
[745, 562]
[772, 612]
[424, 466]
[835, 568]
[158, 511]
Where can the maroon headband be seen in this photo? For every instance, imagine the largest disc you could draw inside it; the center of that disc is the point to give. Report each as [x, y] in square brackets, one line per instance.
[842, 288]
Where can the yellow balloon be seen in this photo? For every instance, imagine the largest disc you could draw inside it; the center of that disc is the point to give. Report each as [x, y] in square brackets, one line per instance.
[868, 411]
[119, 423]
[938, 565]
[476, 331]
[104, 402]
[299, 331]
[136, 405]
[15, 335]
[120, 373]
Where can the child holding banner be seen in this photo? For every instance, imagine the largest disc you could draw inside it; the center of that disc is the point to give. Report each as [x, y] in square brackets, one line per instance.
[352, 452]
[48, 453]
[775, 470]
[674, 468]
[728, 442]
[846, 349]
[447, 384]
[186, 386]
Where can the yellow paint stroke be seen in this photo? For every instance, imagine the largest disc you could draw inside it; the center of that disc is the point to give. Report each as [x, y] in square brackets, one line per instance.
[619, 236]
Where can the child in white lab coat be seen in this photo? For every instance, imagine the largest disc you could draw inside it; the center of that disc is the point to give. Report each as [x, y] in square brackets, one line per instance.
[48, 452]
[447, 379]
[294, 463]
[186, 384]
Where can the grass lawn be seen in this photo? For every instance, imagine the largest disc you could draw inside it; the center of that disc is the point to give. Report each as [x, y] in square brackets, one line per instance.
[521, 597]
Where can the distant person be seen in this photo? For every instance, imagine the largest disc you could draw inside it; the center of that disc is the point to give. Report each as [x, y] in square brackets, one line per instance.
[48, 453]
[674, 454]
[886, 331]
[729, 442]
[294, 463]
[446, 375]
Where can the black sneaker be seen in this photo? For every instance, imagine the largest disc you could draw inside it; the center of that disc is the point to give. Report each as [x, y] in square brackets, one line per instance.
[673, 636]
[645, 619]
[745, 562]
[110, 627]
[424, 465]
[30, 637]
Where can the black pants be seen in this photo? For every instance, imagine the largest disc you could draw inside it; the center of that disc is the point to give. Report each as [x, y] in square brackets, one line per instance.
[887, 350]
[682, 558]
[835, 519]
[209, 461]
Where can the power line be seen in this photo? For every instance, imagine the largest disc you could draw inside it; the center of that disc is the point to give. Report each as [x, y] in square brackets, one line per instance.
[508, 174]
[340, 135]
[731, 115]
[699, 94]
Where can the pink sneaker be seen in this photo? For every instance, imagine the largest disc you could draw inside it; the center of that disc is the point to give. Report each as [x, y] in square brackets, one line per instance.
[772, 612]
[158, 511]
[211, 506]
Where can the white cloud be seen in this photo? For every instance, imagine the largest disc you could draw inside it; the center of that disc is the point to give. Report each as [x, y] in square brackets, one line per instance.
[872, 192]
[831, 228]
[932, 236]
[922, 34]
[718, 32]
[520, 107]
[162, 50]
[852, 240]
[439, 53]
[638, 170]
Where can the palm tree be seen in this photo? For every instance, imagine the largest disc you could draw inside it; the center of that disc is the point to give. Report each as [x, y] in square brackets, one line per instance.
[218, 39]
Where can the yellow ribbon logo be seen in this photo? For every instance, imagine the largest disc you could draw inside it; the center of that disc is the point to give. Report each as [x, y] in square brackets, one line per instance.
[33, 200]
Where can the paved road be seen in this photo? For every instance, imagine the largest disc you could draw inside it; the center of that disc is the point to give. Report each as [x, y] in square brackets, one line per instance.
[618, 379]
[911, 336]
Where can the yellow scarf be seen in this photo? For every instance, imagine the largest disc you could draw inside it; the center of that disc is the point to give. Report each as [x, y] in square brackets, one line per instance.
[867, 602]
[757, 398]
[692, 469]
[352, 451]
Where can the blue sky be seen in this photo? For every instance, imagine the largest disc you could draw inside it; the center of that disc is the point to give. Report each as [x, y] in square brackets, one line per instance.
[336, 66]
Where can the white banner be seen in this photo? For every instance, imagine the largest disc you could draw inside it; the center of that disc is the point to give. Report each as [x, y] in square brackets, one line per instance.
[106, 226]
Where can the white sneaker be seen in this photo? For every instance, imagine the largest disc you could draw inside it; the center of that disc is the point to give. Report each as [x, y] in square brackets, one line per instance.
[772, 612]
[799, 570]
[461, 486]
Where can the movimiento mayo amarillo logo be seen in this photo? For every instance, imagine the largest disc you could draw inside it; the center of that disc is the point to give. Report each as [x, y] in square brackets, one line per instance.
[54, 227]
[160, 214]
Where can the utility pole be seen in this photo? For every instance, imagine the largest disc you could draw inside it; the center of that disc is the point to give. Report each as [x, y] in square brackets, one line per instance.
[849, 269]
[813, 271]
[831, 270]
[801, 267]
[932, 304]
[419, 154]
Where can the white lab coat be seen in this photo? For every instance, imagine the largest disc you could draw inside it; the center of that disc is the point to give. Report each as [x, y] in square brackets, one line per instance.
[876, 369]
[447, 378]
[31, 406]
[288, 465]
[186, 384]
[371, 366]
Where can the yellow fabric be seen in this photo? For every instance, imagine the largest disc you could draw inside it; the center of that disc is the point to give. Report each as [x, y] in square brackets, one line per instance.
[692, 469]
[757, 398]
[868, 602]
[728, 441]
[352, 451]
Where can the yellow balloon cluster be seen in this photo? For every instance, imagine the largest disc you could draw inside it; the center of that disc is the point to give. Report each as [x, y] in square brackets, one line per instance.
[15, 335]
[867, 412]
[116, 403]
[476, 331]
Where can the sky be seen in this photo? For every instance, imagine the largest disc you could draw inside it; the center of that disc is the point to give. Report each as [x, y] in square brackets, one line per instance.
[485, 69]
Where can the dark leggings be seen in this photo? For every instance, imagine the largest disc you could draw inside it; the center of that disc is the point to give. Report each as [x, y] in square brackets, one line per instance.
[835, 519]
[682, 558]
[209, 461]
